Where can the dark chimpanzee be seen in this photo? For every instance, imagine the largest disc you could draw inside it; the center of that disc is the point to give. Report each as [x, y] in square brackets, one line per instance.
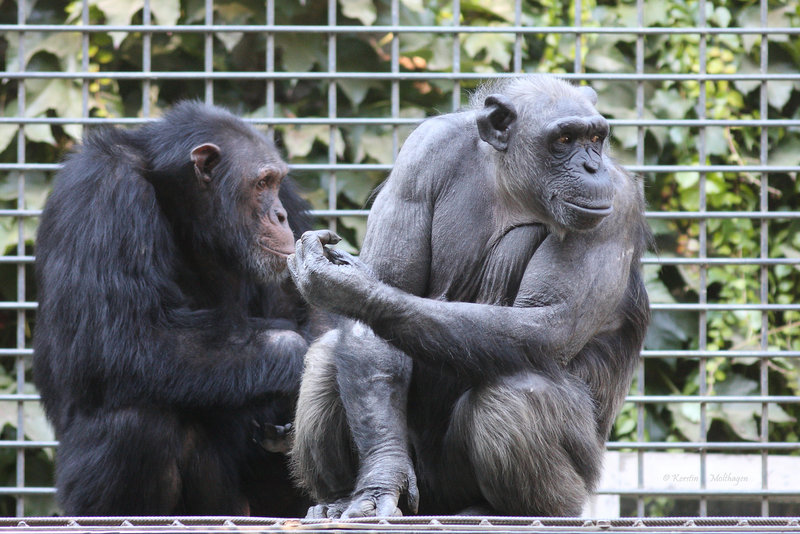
[500, 313]
[169, 350]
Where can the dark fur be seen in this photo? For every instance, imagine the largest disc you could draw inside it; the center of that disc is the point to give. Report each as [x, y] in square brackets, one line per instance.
[160, 359]
[499, 333]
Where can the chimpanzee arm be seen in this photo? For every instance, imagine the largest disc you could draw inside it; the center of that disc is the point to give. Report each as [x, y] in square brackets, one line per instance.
[237, 371]
[569, 292]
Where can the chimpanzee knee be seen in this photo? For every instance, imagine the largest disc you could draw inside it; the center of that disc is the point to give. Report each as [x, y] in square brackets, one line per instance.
[531, 442]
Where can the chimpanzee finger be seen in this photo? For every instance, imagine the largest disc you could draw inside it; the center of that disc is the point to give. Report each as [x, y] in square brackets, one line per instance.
[359, 508]
[327, 237]
[387, 506]
[317, 512]
[339, 257]
[298, 251]
[291, 264]
[412, 498]
[311, 248]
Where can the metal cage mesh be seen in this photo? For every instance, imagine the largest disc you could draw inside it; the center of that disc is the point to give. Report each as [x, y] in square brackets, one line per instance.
[641, 454]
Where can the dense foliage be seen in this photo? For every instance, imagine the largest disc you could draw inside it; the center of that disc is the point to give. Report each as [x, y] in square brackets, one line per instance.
[484, 53]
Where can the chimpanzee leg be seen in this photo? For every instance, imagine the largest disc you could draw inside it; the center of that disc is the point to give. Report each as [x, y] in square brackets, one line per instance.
[353, 401]
[105, 460]
[210, 471]
[323, 456]
[373, 379]
[532, 443]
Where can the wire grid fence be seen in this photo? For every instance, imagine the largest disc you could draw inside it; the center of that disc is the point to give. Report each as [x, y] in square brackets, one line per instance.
[646, 455]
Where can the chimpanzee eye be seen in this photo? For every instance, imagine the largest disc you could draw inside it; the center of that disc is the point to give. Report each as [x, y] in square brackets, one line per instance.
[596, 138]
[565, 139]
[262, 183]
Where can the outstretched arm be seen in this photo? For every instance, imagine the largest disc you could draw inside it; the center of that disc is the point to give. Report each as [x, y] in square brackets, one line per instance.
[569, 292]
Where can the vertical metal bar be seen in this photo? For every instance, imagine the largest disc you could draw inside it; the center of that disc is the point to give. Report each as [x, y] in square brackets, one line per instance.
[640, 161]
[147, 39]
[578, 14]
[456, 54]
[332, 185]
[270, 97]
[209, 52]
[84, 62]
[518, 36]
[21, 319]
[764, 293]
[395, 83]
[703, 240]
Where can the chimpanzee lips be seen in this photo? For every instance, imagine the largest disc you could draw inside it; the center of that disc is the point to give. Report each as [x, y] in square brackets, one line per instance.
[279, 253]
[597, 210]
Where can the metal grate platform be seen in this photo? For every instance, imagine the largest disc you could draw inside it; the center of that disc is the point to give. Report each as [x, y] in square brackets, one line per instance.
[450, 524]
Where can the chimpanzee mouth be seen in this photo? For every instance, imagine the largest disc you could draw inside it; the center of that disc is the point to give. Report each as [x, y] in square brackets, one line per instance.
[279, 253]
[600, 210]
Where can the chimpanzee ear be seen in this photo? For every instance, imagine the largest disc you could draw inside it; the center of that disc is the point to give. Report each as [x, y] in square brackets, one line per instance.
[205, 158]
[589, 93]
[495, 120]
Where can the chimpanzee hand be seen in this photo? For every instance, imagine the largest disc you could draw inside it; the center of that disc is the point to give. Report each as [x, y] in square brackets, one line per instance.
[329, 278]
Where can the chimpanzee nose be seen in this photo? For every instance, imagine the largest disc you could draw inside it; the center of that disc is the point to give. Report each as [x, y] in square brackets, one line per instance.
[591, 162]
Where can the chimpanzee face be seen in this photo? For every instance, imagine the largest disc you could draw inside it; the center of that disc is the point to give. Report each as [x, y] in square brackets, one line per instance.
[242, 188]
[551, 149]
[272, 239]
[580, 187]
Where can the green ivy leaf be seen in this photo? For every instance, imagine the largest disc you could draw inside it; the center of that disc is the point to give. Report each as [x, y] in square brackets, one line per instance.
[167, 12]
[686, 418]
[300, 139]
[670, 104]
[356, 90]
[354, 187]
[301, 51]
[362, 10]
[8, 131]
[234, 13]
[499, 8]
[786, 153]
[496, 46]
[687, 180]
[379, 147]
[722, 16]
[414, 5]
[118, 14]
[37, 428]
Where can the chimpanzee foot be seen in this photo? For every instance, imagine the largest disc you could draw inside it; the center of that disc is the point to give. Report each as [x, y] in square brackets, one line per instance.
[381, 500]
[277, 438]
[331, 510]
[375, 503]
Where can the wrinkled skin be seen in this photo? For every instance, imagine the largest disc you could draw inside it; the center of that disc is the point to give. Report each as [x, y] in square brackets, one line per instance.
[495, 318]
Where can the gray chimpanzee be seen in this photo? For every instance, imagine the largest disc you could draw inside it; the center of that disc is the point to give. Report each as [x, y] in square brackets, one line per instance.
[499, 313]
[169, 347]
